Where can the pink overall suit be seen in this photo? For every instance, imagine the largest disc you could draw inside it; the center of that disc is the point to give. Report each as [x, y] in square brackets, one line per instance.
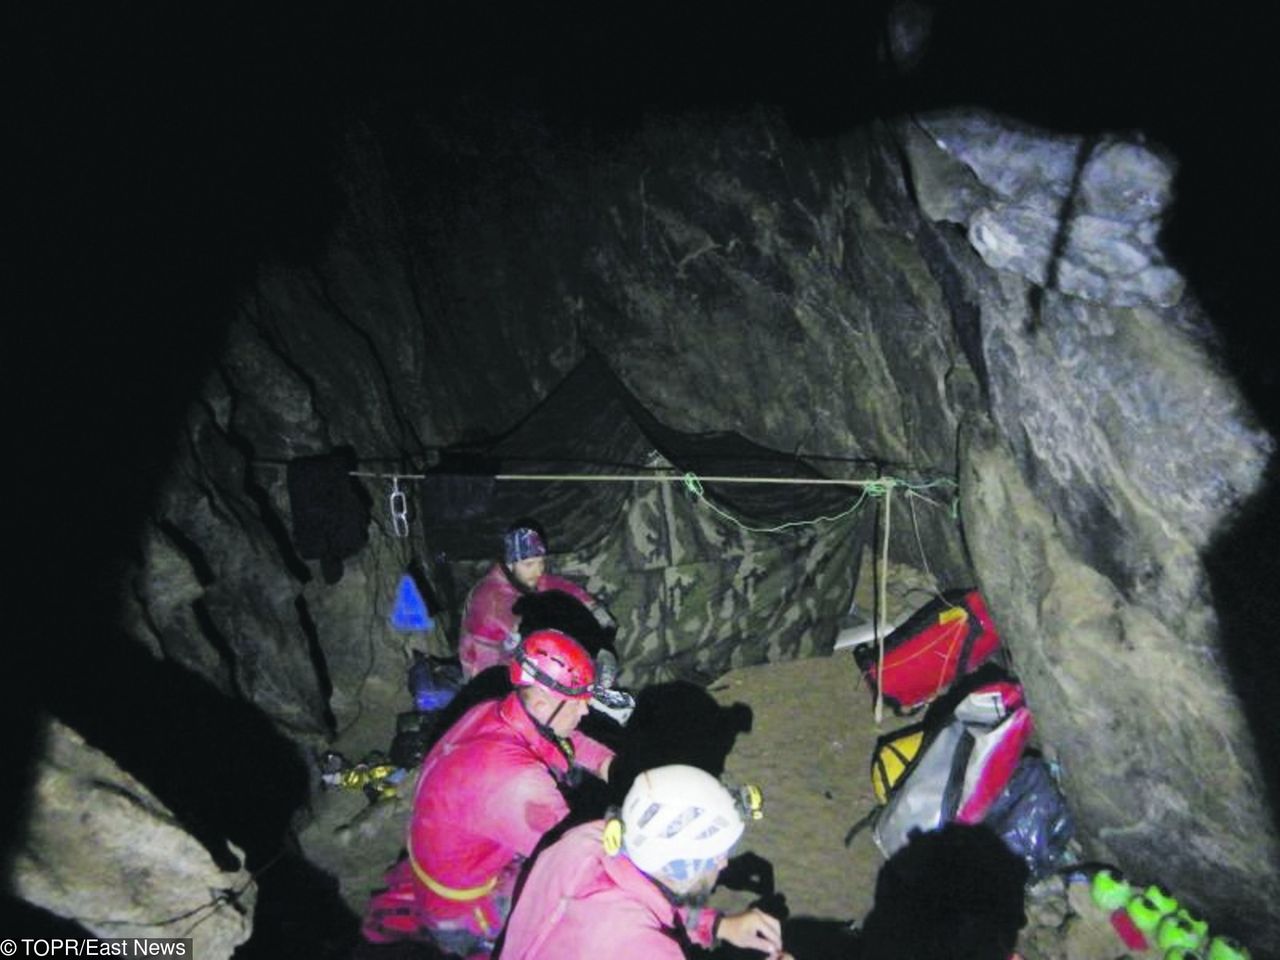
[580, 903]
[488, 624]
[486, 795]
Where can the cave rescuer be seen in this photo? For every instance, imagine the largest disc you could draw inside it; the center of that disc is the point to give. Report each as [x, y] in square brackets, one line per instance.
[490, 628]
[488, 791]
[631, 887]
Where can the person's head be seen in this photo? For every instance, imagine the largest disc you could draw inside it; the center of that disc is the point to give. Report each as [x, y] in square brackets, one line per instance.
[678, 825]
[524, 553]
[955, 893]
[554, 676]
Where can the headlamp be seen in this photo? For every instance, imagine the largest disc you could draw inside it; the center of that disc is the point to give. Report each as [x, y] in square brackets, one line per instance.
[750, 801]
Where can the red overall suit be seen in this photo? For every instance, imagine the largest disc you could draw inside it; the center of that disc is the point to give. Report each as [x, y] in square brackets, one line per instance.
[488, 625]
[580, 903]
[486, 795]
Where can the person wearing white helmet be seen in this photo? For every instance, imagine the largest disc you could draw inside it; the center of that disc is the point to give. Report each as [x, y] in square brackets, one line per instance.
[634, 884]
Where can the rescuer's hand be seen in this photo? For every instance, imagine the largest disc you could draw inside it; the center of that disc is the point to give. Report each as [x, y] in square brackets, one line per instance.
[753, 930]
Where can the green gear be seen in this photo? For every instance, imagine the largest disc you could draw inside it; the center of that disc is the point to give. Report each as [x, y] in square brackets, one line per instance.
[1176, 930]
[1225, 948]
[1145, 914]
[1110, 890]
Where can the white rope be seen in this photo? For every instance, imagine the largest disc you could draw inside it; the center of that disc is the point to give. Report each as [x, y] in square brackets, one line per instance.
[882, 613]
[387, 476]
[632, 478]
[680, 478]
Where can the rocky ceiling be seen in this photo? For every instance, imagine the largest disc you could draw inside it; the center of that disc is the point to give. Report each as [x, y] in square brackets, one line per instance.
[1020, 252]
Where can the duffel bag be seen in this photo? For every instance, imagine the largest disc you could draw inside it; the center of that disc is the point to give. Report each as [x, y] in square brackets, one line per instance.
[948, 637]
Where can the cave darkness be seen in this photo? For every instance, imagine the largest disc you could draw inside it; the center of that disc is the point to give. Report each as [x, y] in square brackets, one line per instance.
[165, 150]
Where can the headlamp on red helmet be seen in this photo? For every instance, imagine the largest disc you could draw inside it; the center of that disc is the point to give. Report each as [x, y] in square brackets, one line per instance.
[556, 662]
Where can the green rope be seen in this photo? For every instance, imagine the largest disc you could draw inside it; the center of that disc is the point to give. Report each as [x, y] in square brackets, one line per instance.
[870, 488]
[913, 490]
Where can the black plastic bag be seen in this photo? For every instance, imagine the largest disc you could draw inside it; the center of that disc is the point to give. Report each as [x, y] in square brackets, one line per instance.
[330, 511]
[1032, 818]
[415, 733]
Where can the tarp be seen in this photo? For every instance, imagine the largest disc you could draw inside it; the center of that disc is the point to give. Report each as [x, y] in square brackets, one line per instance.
[695, 593]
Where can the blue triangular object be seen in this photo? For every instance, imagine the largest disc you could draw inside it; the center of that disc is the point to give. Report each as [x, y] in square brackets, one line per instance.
[410, 611]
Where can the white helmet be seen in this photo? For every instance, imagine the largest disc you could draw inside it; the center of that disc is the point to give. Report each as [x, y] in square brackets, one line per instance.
[677, 815]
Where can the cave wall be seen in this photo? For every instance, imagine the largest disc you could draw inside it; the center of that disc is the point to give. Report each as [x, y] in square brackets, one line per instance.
[436, 315]
[1113, 453]
[168, 887]
[881, 295]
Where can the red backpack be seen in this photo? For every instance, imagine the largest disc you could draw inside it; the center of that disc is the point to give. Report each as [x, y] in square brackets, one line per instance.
[947, 638]
[974, 739]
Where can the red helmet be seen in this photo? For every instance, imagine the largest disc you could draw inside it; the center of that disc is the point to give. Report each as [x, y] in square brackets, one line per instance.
[556, 662]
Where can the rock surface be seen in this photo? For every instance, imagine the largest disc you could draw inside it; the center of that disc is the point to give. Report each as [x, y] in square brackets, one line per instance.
[102, 851]
[955, 297]
[1076, 214]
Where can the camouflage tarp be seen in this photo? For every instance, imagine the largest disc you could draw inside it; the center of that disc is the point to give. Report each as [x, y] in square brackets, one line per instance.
[695, 596]
[695, 592]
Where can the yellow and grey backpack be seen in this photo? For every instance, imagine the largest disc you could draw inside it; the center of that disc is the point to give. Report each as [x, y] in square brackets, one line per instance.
[892, 757]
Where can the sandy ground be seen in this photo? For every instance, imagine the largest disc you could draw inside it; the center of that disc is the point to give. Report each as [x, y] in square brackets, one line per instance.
[808, 750]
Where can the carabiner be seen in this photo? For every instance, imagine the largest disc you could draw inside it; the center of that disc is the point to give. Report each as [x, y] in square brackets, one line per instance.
[399, 510]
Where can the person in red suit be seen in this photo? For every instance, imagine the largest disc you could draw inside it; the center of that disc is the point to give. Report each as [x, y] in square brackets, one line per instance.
[490, 627]
[488, 791]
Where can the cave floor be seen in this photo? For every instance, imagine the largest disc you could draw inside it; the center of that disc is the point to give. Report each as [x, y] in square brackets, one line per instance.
[809, 750]
[812, 734]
